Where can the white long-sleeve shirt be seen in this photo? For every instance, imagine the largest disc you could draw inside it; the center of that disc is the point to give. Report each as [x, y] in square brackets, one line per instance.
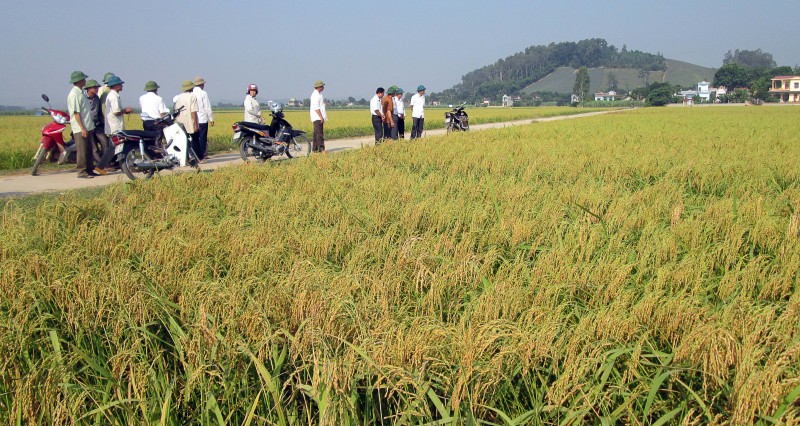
[204, 113]
[252, 109]
[418, 106]
[152, 105]
[375, 105]
[317, 103]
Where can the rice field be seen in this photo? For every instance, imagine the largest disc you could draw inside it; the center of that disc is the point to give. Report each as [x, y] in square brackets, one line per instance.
[21, 134]
[636, 268]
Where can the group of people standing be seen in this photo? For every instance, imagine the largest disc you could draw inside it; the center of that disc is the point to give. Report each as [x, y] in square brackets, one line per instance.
[318, 115]
[96, 112]
[195, 117]
[388, 113]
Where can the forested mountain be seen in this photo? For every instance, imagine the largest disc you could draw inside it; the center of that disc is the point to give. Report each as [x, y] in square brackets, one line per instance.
[512, 74]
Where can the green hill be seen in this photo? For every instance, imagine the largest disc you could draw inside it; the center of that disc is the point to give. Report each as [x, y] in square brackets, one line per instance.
[562, 79]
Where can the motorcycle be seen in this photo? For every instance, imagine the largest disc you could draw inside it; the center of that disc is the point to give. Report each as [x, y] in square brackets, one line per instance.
[456, 120]
[52, 146]
[141, 153]
[262, 142]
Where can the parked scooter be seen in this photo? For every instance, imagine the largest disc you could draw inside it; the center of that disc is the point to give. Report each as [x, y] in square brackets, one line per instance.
[142, 153]
[456, 120]
[262, 142]
[52, 146]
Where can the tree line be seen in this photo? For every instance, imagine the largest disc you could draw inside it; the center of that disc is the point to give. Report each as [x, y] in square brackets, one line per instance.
[512, 74]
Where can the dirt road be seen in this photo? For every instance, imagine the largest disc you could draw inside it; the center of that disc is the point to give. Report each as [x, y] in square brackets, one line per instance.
[17, 185]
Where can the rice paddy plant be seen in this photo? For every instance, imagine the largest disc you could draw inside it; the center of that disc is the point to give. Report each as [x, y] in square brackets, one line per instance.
[637, 268]
[21, 134]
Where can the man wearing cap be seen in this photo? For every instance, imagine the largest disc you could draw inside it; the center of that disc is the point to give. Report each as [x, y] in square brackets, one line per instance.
[152, 106]
[318, 116]
[377, 114]
[96, 110]
[204, 117]
[252, 109]
[115, 113]
[399, 115]
[187, 117]
[105, 88]
[387, 108]
[418, 112]
[80, 121]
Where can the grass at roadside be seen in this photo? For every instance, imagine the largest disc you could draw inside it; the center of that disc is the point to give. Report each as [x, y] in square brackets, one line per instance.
[21, 134]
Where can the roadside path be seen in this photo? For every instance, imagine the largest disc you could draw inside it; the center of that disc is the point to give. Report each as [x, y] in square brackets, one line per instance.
[18, 185]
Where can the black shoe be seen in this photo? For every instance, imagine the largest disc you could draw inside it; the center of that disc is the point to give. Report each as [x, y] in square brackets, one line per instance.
[84, 175]
[93, 173]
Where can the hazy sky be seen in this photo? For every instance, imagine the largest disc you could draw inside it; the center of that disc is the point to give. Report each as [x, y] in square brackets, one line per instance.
[354, 46]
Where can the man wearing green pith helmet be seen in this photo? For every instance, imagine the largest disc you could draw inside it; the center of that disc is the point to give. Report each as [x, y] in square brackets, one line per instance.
[104, 89]
[418, 112]
[82, 125]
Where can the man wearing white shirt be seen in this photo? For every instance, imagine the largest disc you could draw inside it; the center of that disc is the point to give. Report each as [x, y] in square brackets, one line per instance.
[204, 117]
[318, 116]
[400, 113]
[114, 110]
[377, 114]
[418, 112]
[152, 105]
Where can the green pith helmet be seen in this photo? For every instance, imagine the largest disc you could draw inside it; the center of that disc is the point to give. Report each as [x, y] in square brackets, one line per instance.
[391, 91]
[114, 80]
[90, 84]
[107, 77]
[187, 85]
[399, 91]
[77, 76]
[319, 83]
[150, 86]
[420, 88]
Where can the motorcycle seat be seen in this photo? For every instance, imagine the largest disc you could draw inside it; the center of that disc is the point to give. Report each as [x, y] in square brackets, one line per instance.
[144, 134]
[254, 126]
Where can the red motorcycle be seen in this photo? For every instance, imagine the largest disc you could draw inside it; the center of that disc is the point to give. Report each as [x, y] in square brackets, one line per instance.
[52, 147]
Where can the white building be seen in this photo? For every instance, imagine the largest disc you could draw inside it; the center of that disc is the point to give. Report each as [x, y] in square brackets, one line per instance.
[602, 96]
[704, 91]
[508, 101]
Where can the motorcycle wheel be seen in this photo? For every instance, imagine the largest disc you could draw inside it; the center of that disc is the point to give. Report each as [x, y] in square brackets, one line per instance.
[449, 128]
[129, 166]
[244, 150]
[40, 156]
[300, 146]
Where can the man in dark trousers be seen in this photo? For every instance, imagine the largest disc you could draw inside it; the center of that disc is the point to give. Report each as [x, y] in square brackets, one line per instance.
[387, 108]
[82, 125]
[377, 114]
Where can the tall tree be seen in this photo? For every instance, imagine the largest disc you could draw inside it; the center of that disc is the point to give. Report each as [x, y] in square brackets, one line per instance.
[732, 76]
[582, 83]
[749, 59]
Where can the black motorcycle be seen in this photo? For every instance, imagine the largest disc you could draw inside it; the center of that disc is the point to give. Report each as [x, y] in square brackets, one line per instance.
[456, 120]
[262, 142]
[141, 153]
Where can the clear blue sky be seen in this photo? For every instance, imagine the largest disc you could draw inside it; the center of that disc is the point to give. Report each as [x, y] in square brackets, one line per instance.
[354, 46]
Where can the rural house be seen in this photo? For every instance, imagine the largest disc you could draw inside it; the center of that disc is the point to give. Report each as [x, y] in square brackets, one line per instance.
[508, 101]
[704, 90]
[602, 96]
[787, 88]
